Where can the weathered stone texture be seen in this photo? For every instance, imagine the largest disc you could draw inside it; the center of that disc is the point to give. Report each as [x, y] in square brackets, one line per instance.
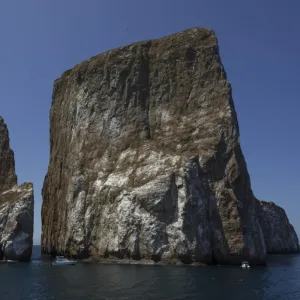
[16, 206]
[145, 158]
[16, 222]
[279, 234]
[8, 176]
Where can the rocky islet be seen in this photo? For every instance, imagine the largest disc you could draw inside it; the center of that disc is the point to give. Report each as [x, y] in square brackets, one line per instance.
[146, 163]
[16, 206]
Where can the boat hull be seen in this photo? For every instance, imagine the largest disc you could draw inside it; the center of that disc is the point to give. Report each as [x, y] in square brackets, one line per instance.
[71, 263]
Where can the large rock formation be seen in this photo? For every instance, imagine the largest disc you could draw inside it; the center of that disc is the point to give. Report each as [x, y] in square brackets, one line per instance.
[145, 158]
[16, 206]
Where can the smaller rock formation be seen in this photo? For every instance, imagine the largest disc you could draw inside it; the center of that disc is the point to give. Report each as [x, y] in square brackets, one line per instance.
[16, 222]
[8, 176]
[16, 206]
[279, 234]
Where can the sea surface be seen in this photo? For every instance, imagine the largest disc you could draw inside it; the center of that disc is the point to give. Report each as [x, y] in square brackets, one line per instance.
[39, 280]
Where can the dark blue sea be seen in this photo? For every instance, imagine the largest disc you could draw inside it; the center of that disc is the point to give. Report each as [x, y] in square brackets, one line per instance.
[39, 280]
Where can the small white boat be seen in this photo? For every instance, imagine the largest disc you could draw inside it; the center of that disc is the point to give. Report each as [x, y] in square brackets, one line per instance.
[245, 265]
[62, 261]
[11, 261]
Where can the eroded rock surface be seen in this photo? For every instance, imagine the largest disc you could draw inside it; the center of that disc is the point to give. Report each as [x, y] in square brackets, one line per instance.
[16, 206]
[145, 158]
[8, 176]
[279, 234]
[16, 222]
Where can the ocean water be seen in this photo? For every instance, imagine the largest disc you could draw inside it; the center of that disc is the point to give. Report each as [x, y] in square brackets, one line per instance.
[39, 280]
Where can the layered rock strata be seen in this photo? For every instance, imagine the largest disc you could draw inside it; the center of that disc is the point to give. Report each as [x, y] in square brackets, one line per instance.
[145, 158]
[16, 206]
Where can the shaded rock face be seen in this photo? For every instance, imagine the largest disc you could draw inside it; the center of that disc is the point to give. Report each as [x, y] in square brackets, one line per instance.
[279, 234]
[16, 206]
[145, 158]
[8, 176]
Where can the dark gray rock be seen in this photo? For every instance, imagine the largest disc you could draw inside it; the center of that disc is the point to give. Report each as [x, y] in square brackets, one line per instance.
[8, 176]
[279, 234]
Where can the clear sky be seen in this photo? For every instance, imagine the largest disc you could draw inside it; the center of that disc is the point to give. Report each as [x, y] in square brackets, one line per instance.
[260, 48]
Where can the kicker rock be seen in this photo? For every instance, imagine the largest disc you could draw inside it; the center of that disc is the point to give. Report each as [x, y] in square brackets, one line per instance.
[16, 206]
[279, 234]
[145, 158]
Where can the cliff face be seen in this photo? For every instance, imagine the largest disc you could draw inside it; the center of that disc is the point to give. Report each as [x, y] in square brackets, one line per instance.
[8, 176]
[16, 206]
[145, 158]
[279, 234]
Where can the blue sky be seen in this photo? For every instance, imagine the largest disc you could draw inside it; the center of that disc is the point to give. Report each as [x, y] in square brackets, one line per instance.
[259, 44]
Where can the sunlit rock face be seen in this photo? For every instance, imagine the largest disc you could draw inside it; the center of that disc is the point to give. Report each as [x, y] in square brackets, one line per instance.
[16, 206]
[16, 222]
[145, 158]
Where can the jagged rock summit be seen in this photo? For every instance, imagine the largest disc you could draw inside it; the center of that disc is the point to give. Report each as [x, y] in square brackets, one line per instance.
[8, 177]
[145, 158]
[16, 206]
